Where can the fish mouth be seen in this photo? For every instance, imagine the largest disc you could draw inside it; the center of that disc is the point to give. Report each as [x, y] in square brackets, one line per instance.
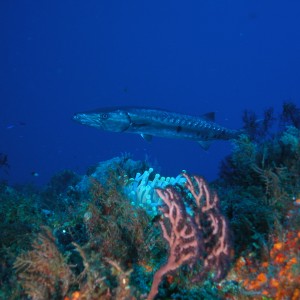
[75, 117]
[82, 118]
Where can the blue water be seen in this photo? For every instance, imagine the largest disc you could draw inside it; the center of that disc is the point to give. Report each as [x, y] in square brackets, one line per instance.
[61, 57]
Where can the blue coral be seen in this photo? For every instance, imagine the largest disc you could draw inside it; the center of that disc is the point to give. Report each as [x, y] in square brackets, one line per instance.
[141, 190]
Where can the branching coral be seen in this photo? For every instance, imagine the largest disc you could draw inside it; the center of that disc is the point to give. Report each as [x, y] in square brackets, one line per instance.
[184, 236]
[214, 226]
[194, 231]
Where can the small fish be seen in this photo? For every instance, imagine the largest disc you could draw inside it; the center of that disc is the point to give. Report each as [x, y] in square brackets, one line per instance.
[11, 126]
[154, 122]
[35, 174]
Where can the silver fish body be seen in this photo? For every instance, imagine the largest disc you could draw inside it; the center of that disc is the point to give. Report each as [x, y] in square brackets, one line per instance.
[154, 122]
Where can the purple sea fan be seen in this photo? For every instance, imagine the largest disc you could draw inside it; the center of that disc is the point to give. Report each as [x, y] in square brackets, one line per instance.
[201, 234]
[183, 237]
[214, 227]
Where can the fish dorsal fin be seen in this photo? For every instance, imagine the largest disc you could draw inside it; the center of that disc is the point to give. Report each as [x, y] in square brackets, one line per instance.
[209, 116]
[205, 144]
[147, 137]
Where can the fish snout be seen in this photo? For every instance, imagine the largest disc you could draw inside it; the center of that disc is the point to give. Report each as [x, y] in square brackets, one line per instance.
[81, 118]
[77, 117]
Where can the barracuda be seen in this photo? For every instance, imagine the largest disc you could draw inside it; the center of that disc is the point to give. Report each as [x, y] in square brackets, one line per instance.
[153, 122]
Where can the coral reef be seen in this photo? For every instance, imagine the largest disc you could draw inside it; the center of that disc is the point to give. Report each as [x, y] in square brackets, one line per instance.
[277, 276]
[122, 239]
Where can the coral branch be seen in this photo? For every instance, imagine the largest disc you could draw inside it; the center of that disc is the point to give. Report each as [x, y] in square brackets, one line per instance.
[183, 236]
[214, 227]
[201, 234]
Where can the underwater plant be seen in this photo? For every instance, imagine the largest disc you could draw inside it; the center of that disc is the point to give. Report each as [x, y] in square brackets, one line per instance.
[260, 177]
[290, 115]
[258, 129]
[43, 271]
[269, 126]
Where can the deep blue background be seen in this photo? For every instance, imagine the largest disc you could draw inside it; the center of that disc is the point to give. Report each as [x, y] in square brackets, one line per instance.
[61, 57]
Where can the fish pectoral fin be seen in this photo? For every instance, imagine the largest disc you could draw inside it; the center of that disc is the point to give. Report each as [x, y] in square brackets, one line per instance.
[209, 116]
[147, 137]
[205, 144]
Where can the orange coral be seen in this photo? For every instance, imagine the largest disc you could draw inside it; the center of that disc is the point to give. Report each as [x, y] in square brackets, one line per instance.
[279, 276]
[278, 246]
[75, 295]
[262, 278]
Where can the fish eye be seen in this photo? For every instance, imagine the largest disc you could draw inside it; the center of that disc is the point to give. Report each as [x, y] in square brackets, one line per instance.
[104, 116]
